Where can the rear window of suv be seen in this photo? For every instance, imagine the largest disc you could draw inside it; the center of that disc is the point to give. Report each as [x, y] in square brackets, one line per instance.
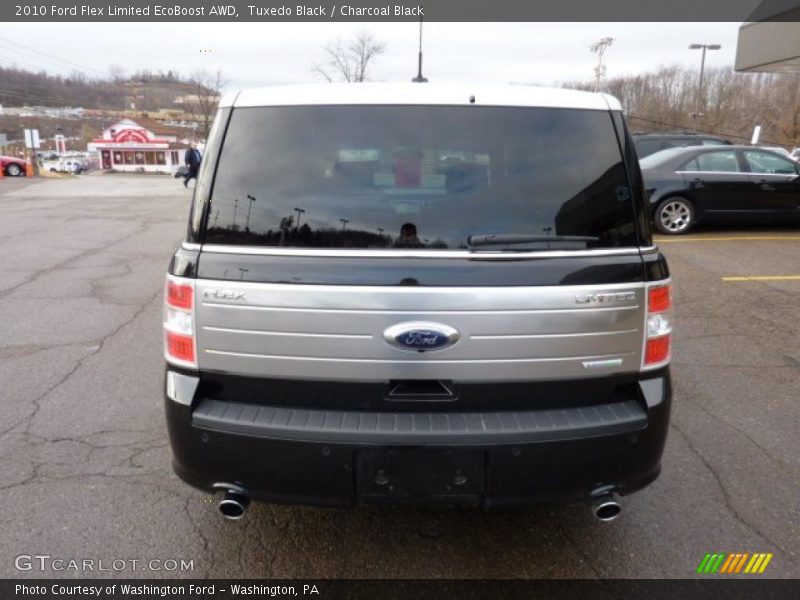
[422, 177]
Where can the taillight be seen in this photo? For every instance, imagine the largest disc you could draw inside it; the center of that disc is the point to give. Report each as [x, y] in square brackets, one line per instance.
[659, 298]
[179, 294]
[657, 350]
[180, 346]
[179, 341]
[658, 326]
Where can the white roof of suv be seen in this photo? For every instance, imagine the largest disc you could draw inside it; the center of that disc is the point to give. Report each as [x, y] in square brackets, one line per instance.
[420, 93]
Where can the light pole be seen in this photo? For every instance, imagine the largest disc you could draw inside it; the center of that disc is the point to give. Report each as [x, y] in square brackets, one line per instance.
[249, 206]
[344, 223]
[696, 114]
[299, 212]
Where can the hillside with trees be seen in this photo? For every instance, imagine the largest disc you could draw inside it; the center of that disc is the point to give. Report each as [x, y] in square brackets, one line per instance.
[191, 98]
[148, 90]
[732, 103]
[663, 99]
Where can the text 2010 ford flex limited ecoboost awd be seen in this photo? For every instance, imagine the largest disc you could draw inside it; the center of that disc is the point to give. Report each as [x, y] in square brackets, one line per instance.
[418, 293]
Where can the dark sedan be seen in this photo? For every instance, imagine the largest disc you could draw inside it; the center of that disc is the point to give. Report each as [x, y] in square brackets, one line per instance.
[725, 184]
[650, 143]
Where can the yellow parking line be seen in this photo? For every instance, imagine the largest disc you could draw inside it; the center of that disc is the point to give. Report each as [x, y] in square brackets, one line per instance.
[763, 278]
[746, 238]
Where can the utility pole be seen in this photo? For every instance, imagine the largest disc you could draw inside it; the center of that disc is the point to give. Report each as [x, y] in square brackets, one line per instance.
[344, 223]
[599, 48]
[697, 114]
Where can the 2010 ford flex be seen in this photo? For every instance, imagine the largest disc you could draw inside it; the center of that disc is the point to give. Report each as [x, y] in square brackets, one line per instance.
[418, 293]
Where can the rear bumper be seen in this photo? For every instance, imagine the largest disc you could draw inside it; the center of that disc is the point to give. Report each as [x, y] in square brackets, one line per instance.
[489, 459]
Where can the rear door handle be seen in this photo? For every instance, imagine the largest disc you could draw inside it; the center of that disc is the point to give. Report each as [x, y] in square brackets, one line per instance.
[698, 183]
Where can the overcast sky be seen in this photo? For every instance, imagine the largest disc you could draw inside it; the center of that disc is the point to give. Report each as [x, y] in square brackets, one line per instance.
[253, 54]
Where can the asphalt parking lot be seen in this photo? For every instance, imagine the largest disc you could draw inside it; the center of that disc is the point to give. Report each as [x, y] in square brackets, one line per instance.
[85, 460]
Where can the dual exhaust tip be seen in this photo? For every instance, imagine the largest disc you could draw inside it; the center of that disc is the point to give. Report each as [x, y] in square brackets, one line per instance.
[234, 504]
[606, 506]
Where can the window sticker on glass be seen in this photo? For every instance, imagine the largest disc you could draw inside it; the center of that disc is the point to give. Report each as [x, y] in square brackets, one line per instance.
[359, 154]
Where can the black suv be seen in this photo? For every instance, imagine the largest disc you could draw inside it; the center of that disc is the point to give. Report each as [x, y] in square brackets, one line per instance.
[408, 293]
[650, 143]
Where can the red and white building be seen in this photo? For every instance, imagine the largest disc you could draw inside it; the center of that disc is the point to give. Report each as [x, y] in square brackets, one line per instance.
[141, 145]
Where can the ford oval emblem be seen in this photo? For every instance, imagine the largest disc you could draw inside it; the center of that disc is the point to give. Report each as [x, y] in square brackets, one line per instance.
[421, 336]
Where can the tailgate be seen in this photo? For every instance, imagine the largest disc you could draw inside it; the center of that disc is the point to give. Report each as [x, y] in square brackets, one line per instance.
[336, 332]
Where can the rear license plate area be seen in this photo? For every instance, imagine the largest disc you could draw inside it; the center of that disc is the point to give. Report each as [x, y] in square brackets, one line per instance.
[420, 475]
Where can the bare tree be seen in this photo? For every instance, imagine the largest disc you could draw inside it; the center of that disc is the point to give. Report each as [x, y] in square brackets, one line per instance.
[787, 107]
[732, 103]
[205, 89]
[116, 73]
[350, 60]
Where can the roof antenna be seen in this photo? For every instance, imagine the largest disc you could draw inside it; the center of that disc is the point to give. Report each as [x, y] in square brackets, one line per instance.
[419, 78]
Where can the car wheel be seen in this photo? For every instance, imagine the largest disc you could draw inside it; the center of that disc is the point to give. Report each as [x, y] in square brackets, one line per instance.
[674, 216]
[13, 170]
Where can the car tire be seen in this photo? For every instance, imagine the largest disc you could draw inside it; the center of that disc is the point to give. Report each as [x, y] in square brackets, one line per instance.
[674, 216]
[14, 170]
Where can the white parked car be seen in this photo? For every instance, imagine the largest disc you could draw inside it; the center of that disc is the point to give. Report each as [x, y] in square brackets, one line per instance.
[66, 165]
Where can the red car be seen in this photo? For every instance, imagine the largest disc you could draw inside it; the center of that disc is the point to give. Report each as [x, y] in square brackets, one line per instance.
[13, 166]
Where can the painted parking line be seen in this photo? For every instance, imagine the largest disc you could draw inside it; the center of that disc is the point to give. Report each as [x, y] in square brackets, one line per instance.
[734, 279]
[745, 238]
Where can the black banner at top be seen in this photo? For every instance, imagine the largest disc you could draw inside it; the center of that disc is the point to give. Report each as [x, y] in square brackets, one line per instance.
[395, 589]
[398, 10]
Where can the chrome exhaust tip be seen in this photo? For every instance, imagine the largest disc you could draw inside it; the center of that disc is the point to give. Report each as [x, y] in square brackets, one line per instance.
[606, 507]
[234, 504]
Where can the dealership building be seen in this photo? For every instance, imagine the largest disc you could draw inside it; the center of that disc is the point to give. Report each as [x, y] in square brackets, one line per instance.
[771, 44]
[140, 145]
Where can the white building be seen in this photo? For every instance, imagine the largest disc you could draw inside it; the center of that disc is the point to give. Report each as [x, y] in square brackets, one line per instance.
[770, 41]
[141, 145]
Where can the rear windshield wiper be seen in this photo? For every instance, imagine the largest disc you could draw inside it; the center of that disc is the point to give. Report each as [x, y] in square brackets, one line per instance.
[506, 239]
